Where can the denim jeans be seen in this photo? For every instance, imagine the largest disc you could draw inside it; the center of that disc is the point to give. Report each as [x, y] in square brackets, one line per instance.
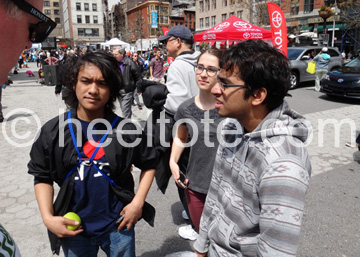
[113, 243]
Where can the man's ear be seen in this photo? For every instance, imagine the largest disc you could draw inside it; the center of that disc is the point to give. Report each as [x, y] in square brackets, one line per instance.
[259, 96]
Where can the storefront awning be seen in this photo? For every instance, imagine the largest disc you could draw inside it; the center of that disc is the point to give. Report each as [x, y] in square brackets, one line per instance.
[306, 29]
[330, 27]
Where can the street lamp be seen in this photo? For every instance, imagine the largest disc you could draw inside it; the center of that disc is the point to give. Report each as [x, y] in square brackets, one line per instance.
[333, 34]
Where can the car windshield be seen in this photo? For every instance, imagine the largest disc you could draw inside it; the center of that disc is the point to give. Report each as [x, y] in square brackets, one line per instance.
[293, 54]
[354, 63]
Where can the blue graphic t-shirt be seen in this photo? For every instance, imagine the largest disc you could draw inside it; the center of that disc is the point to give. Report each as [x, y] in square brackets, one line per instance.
[93, 199]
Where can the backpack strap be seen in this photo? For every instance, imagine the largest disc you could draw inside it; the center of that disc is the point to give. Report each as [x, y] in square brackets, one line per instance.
[95, 151]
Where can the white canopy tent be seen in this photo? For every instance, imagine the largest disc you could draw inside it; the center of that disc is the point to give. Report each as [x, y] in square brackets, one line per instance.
[145, 44]
[114, 42]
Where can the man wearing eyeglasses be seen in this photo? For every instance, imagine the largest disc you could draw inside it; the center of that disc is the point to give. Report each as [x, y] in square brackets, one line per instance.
[20, 25]
[181, 84]
[256, 199]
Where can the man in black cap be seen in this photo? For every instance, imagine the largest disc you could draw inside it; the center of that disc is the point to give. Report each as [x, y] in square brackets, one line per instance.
[181, 84]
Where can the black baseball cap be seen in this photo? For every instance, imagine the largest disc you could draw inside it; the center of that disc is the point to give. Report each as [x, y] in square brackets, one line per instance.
[178, 31]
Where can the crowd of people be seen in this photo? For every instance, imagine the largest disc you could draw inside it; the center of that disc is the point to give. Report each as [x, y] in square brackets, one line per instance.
[242, 181]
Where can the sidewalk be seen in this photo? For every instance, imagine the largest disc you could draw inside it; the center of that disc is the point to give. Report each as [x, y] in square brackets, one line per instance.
[27, 105]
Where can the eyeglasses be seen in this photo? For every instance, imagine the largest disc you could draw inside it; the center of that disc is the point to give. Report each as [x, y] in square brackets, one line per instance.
[225, 86]
[170, 40]
[210, 71]
[40, 31]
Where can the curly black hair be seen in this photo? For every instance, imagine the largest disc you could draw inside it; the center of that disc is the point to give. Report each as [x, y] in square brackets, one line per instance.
[259, 65]
[110, 71]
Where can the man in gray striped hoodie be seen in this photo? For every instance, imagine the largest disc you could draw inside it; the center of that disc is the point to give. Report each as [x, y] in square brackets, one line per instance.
[256, 199]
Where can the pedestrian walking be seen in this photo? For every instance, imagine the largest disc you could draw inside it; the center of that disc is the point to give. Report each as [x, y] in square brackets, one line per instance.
[157, 67]
[322, 60]
[131, 75]
[137, 59]
[256, 198]
[92, 168]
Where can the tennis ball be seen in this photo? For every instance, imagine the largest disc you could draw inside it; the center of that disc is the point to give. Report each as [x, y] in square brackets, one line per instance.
[72, 216]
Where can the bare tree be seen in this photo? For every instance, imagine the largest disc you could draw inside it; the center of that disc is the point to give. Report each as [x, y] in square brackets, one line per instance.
[120, 28]
[255, 11]
[350, 15]
[350, 12]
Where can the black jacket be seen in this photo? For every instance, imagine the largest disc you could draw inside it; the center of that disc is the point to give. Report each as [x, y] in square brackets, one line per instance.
[51, 160]
[131, 74]
[153, 93]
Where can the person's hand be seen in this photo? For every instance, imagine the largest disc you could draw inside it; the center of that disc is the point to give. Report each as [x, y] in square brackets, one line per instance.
[200, 254]
[133, 212]
[57, 225]
[175, 170]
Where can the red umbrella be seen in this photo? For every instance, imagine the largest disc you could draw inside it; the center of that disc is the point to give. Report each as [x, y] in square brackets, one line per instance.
[233, 29]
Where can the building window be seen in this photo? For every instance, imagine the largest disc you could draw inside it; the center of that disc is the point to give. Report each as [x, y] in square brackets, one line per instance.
[88, 32]
[224, 3]
[240, 14]
[57, 20]
[223, 17]
[153, 31]
[207, 22]
[308, 6]
[207, 5]
[46, 11]
[231, 14]
[86, 7]
[213, 4]
[56, 4]
[164, 10]
[294, 7]
[79, 20]
[95, 19]
[94, 7]
[213, 20]
[46, 3]
[201, 6]
[87, 19]
[56, 12]
[78, 6]
[201, 23]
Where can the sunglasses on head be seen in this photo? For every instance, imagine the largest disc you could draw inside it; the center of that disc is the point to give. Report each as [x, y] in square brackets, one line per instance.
[40, 31]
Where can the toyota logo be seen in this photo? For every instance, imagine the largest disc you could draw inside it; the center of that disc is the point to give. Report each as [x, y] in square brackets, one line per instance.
[340, 80]
[222, 26]
[246, 35]
[276, 19]
[204, 37]
[242, 25]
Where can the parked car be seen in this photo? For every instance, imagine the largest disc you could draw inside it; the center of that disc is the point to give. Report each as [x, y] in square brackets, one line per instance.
[343, 81]
[299, 58]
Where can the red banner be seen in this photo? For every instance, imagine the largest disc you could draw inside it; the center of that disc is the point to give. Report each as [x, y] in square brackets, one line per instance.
[278, 27]
[165, 30]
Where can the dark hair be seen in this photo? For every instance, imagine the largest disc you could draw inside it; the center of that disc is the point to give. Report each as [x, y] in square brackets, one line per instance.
[188, 42]
[259, 65]
[110, 71]
[213, 51]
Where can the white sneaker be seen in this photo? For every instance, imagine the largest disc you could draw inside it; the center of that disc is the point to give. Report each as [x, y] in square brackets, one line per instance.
[184, 215]
[187, 232]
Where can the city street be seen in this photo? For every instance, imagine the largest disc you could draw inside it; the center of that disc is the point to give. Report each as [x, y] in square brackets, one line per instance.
[333, 202]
